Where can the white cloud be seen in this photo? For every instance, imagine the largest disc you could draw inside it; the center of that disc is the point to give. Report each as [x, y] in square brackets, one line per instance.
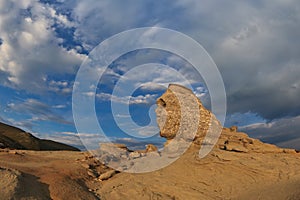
[59, 106]
[62, 19]
[60, 87]
[106, 18]
[200, 92]
[152, 86]
[30, 49]
[152, 76]
[66, 139]
[37, 111]
[140, 99]
[147, 131]
[25, 125]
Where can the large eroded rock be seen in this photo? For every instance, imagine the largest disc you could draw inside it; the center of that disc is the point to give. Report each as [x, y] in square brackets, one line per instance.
[179, 112]
[183, 121]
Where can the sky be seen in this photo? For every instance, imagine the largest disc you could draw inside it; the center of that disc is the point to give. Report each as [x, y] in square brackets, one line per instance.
[255, 45]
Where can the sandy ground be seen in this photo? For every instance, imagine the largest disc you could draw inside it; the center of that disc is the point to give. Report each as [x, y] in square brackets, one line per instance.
[221, 175]
[60, 174]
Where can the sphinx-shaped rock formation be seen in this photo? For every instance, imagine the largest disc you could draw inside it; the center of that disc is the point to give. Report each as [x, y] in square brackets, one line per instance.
[180, 111]
[177, 114]
[183, 121]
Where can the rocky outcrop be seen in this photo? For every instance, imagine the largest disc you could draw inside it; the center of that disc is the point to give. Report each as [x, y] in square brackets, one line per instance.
[176, 112]
[183, 120]
[241, 142]
[9, 181]
[119, 157]
[151, 148]
[179, 111]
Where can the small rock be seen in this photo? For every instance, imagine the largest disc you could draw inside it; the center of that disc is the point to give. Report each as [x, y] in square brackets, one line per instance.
[2, 146]
[92, 173]
[153, 154]
[16, 153]
[151, 148]
[124, 167]
[85, 165]
[222, 146]
[113, 150]
[124, 156]
[233, 129]
[144, 154]
[236, 148]
[107, 175]
[247, 140]
[121, 146]
[289, 151]
[134, 155]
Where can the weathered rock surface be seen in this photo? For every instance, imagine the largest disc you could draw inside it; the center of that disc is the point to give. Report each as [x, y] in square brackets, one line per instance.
[176, 104]
[183, 121]
[9, 181]
[17, 185]
[179, 112]
[151, 148]
[107, 175]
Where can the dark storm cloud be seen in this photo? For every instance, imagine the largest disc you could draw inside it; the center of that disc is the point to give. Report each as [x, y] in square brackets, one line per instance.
[283, 132]
[254, 43]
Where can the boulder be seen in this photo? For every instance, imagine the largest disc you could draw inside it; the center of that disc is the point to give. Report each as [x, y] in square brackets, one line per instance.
[2, 146]
[134, 155]
[236, 147]
[107, 175]
[233, 129]
[85, 165]
[181, 114]
[151, 148]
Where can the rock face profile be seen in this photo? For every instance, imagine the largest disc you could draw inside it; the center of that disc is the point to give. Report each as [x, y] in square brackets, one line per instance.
[238, 167]
[176, 114]
[181, 112]
[182, 120]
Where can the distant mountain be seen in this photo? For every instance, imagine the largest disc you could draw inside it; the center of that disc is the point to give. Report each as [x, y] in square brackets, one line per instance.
[15, 138]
